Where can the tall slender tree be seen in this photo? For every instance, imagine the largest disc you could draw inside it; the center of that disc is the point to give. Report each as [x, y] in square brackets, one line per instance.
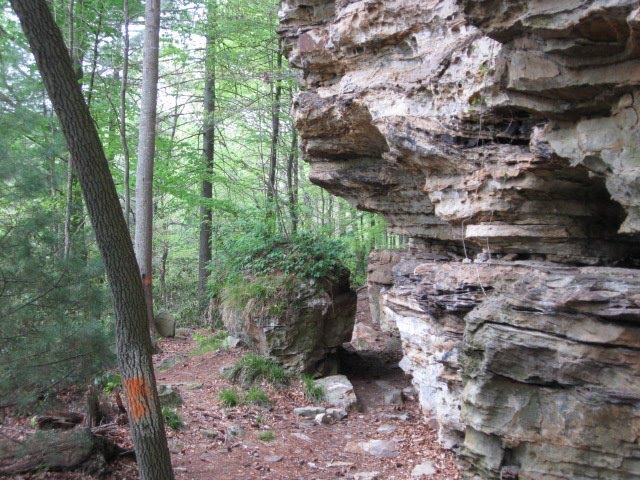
[206, 213]
[146, 150]
[112, 236]
[292, 181]
[276, 90]
[124, 83]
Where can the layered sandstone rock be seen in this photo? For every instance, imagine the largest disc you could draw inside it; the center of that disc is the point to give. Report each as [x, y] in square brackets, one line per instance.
[528, 365]
[502, 137]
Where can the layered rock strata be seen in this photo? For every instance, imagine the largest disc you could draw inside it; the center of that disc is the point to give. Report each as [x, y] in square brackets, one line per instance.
[526, 365]
[502, 137]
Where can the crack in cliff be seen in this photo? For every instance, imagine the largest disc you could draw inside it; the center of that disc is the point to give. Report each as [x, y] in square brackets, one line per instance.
[604, 346]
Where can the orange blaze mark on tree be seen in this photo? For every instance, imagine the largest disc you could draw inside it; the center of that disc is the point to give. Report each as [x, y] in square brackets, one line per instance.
[146, 280]
[138, 395]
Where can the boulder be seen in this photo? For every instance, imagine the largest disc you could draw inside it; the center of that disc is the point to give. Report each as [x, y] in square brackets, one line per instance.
[424, 470]
[338, 391]
[381, 448]
[169, 396]
[309, 412]
[300, 325]
[171, 362]
[165, 324]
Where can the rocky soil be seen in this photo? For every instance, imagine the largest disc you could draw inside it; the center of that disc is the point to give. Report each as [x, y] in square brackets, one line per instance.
[224, 443]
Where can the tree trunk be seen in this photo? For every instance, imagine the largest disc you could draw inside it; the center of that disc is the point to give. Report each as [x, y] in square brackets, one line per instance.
[163, 272]
[123, 114]
[56, 451]
[94, 59]
[146, 151]
[275, 135]
[132, 335]
[292, 181]
[206, 214]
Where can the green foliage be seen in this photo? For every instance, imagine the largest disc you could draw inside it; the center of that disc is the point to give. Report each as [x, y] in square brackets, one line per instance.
[108, 382]
[172, 418]
[266, 436]
[55, 331]
[209, 343]
[230, 397]
[313, 392]
[57, 328]
[258, 397]
[268, 295]
[305, 255]
[260, 275]
[53, 307]
[252, 368]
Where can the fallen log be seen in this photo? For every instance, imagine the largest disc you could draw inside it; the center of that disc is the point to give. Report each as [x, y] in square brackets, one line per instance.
[56, 450]
[63, 420]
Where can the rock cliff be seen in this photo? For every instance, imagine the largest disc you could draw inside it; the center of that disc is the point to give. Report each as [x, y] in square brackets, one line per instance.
[502, 137]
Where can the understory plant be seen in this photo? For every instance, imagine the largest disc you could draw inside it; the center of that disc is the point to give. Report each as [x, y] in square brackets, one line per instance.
[269, 256]
[257, 396]
[209, 343]
[252, 368]
[313, 392]
[266, 436]
[172, 418]
[229, 397]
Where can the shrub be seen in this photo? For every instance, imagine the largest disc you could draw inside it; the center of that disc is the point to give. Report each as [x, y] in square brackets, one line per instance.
[253, 367]
[260, 295]
[257, 396]
[209, 343]
[108, 382]
[313, 392]
[229, 397]
[266, 436]
[305, 256]
[171, 418]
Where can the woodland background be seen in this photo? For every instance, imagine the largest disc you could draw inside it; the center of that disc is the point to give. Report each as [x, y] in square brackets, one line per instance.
[226, 150]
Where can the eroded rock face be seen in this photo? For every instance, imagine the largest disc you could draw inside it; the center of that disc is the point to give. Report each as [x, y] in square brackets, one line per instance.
[528, 365]
[502, 137]
[411, 111]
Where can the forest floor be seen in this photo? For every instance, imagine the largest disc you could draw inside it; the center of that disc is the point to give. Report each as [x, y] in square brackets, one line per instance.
[205, 448]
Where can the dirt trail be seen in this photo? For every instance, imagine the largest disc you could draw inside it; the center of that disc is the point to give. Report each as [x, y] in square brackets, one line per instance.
[206, 448]
[300, 449]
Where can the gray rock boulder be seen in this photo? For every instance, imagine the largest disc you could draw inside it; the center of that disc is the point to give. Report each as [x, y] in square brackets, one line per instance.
[424, 470]
[381, 448]
[300, 326]
[338, 391]
[165, 324]
[309, 412]
[504, 131]
[169, 396]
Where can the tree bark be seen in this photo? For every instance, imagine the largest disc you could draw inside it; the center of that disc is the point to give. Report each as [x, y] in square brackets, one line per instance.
[275, 136]
[132, 336]
[206, 213]
[146, 151]
[123, 114]
[292, 180]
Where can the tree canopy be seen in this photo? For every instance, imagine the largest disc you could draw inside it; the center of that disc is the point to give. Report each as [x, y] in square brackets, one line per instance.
[226, 156]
